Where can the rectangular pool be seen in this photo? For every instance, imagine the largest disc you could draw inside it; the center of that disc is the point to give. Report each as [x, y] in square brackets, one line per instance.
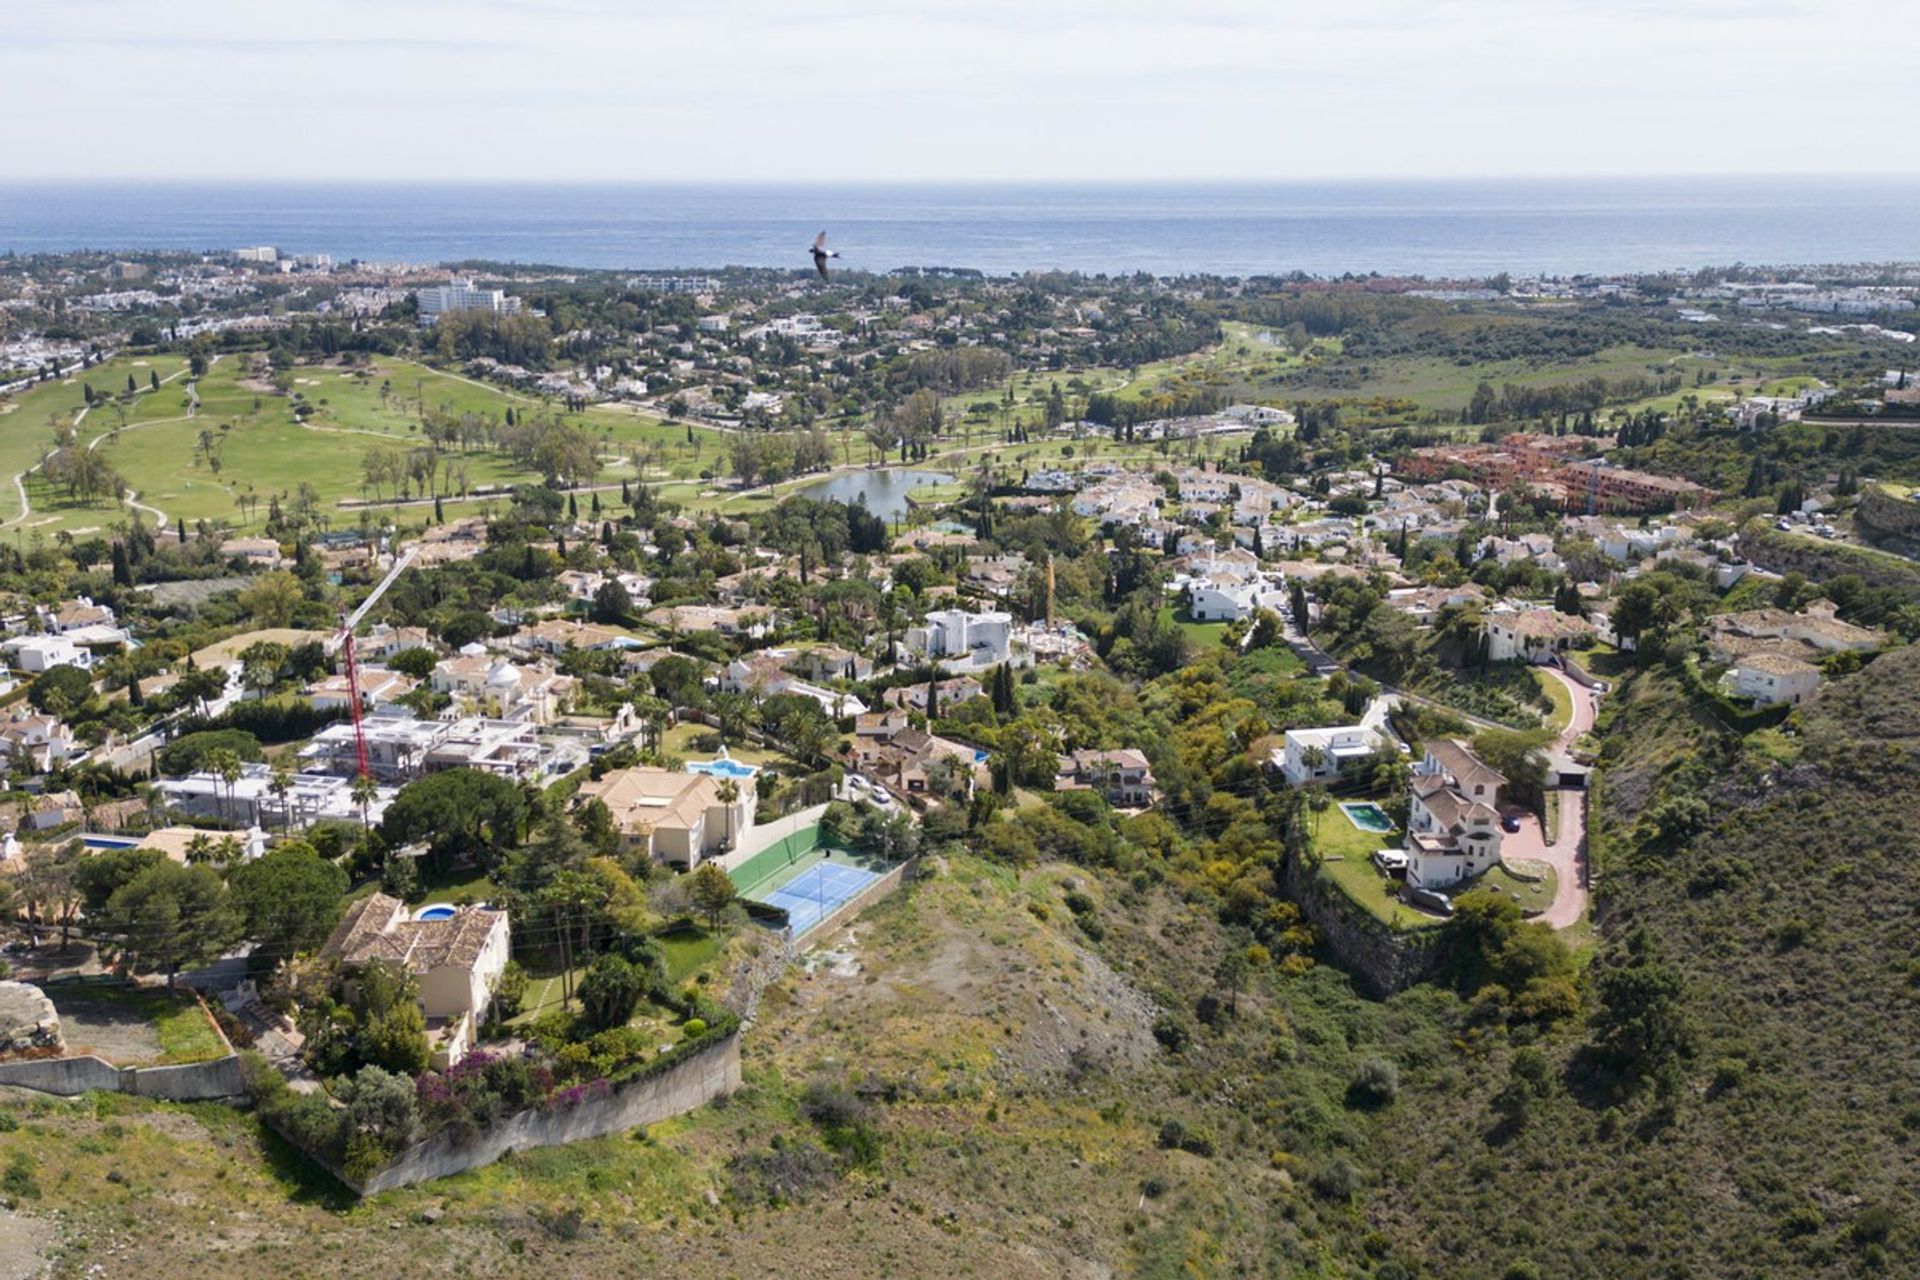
[1368, 816]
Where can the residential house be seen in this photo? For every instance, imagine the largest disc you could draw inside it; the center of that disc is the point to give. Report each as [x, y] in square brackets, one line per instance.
[1809, 634]
[1532, 634]
[35, 654]
[259, 553]
[1454, 818]
[457, 959]
[1772, 679]
[960, 638]
[679, 819]
[1122, 775]
[378, 687]
[830, 662]
[1328, 755]
[382, 642]
[34, 741]
[951, 693]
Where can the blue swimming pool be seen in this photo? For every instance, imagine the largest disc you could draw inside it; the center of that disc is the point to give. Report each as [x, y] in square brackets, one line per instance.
[436, 911]
[723, 768]
[1368, 816]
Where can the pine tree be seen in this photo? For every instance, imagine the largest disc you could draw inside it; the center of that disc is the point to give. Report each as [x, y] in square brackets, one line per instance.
[439, 512]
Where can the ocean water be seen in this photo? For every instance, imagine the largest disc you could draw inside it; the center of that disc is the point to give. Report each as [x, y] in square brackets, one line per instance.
[1430, 228]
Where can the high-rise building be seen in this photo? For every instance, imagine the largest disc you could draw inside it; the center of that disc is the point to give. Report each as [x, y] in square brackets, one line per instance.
[460, 295]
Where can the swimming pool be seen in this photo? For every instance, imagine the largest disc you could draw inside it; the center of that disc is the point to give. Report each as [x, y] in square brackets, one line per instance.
[1367, 816]
[436, 911]
[723, 768]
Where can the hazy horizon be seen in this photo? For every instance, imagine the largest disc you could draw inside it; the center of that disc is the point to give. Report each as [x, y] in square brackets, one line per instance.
[857, 91]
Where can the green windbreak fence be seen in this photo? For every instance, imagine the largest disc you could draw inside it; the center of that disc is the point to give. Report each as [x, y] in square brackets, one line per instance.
[775, 858]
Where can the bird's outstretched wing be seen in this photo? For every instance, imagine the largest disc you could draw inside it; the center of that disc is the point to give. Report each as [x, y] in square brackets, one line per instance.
[820, 263]
[820, 242]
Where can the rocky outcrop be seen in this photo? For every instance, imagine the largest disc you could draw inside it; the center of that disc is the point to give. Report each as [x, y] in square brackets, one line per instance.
[1384, 959]
[28, 1021]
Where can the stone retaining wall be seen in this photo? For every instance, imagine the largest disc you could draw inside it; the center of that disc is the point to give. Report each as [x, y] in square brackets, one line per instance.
[1385, 960]
[193, 1082]
[691, 1083]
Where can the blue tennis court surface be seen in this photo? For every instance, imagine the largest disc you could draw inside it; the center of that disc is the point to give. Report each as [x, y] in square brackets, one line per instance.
[818, 892]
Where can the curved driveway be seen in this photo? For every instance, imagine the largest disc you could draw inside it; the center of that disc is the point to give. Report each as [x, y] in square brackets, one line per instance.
[1567, 855]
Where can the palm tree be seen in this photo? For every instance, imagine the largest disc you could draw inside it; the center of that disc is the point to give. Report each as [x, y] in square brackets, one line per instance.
[364, 791]
[280, 784]
[728, 792]
[224, 764]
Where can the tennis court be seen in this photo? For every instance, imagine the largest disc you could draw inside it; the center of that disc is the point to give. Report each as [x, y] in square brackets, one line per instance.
[817, 892]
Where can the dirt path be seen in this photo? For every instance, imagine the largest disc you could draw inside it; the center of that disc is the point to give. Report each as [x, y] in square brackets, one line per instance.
[24, 1243]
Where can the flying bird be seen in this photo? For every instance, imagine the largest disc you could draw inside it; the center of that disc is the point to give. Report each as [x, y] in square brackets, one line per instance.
[821, 253]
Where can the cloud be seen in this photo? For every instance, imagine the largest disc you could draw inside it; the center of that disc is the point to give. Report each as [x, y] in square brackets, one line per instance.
[1028, 89]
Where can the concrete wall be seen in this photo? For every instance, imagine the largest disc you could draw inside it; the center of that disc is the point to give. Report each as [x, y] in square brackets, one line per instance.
[691, 1083]
[67, 1077]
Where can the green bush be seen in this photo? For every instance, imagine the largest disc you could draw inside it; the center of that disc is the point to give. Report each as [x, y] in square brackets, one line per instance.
[1376, 1084]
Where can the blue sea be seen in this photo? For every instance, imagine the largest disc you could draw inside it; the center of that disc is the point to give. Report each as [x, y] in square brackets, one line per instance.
[1431, 228]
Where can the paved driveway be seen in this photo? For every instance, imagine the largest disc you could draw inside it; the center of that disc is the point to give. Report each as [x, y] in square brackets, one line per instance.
[1566, 855]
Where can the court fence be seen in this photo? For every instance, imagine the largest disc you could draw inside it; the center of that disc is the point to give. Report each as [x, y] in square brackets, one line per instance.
[782, 853]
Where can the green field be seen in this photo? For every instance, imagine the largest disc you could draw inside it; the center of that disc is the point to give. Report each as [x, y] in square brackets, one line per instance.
[160, 444]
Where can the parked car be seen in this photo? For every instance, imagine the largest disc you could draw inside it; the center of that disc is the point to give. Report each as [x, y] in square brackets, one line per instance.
[1510, 822]
[1438, 903]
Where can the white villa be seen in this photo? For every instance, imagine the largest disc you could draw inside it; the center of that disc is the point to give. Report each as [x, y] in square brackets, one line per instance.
[961, 638]
[1325, 755]
[1454, 822]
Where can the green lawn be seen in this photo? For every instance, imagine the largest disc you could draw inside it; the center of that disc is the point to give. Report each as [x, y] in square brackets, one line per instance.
[1561, 697]
[1531, 894]
[263, 450]
[1202, 634]
[688, 952]
[1346, 854]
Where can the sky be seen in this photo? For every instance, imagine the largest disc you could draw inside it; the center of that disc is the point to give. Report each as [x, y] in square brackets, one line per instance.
[1021, 90]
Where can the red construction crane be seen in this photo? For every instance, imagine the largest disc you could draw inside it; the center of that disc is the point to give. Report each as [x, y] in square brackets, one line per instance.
[353, 694]
[347, 624]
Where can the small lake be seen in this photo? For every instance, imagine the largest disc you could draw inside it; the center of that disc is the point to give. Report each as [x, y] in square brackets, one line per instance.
[885, 490]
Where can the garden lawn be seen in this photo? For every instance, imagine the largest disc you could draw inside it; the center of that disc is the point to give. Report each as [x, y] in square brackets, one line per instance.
[1346, 859]
[1562, 699]
[688, 951]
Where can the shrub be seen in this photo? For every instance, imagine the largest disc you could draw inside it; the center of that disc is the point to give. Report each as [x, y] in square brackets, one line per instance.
[188, 753]
[694, 1028]
[1175, 1136]
[18, 1181]
[610, 991]
[833, 1105]
[1336, 1180]
[786, 1173]
[1171, 1033]
[1376, 1084]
